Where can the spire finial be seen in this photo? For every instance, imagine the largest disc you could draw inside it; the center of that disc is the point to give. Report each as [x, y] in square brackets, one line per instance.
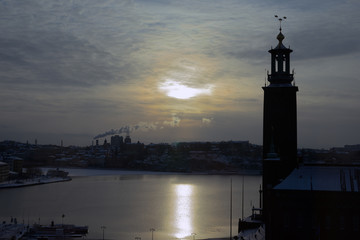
[280, 20]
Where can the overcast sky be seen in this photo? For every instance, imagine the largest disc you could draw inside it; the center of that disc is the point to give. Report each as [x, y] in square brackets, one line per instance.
[167, 71]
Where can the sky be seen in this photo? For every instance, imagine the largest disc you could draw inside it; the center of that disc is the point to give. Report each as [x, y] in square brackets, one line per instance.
[168, 71]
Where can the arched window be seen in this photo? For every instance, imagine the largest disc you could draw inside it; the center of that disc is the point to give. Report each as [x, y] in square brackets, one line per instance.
[284, 63]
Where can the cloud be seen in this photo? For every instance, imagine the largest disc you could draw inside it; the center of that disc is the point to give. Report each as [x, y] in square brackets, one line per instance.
[206, 121]
[175, 121]
[68, 44]
[84, 66]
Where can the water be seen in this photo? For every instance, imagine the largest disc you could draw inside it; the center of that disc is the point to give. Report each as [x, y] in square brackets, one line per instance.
[129, 204]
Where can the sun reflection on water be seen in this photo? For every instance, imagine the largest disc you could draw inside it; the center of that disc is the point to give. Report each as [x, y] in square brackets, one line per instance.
[183, 210]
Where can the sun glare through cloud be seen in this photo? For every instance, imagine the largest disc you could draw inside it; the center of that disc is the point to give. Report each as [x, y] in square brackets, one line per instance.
[175, 89]
[186, 79]
[121, 63]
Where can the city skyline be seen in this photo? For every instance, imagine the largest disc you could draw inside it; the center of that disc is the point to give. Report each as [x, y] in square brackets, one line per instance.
[171, 71]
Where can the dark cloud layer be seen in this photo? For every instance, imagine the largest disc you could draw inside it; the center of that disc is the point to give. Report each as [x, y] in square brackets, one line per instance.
[57, 59]
[74, 69]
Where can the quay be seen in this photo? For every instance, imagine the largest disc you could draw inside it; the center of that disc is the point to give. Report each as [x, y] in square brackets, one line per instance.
[12, 231]
[33, 182]
[15, 231]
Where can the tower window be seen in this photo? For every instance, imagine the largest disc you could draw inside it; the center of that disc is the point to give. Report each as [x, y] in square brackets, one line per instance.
[284, 63]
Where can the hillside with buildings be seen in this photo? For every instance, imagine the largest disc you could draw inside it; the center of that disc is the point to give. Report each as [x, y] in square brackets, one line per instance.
[231, 156]
[24, 159]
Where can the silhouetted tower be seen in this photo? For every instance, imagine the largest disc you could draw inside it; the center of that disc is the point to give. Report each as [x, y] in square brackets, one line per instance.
[280, 120]
[127, 139]
[117, 141]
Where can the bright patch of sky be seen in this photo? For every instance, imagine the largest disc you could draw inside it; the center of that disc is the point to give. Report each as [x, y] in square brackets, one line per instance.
[182, 70]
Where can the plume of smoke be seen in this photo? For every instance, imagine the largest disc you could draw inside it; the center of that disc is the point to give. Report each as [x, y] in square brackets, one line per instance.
[144, 126]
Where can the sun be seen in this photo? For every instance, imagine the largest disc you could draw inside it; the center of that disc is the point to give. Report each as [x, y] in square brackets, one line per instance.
[186, 78]
[176, 89]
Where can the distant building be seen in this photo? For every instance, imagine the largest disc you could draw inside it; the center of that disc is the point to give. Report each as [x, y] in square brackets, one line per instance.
[127, 140]
[15, 164]
[4, 171]
[352, 148]
[116, 141]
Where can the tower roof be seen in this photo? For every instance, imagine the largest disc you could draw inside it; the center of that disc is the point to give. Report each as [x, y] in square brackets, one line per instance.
[280, 37]
[280, 63]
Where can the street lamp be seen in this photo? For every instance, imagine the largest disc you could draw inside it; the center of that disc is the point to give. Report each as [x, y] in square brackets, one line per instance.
[103, 230]
[152, 233]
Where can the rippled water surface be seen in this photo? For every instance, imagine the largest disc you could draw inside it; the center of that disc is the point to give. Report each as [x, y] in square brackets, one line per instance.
[129, 204]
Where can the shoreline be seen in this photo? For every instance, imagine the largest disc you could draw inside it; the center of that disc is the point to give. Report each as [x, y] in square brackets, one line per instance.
[77, 171]
[107, 171]
[34, 182]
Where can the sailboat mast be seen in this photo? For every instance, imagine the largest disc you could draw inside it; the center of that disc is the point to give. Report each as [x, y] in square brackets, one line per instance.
[230, 208]
[242, 200]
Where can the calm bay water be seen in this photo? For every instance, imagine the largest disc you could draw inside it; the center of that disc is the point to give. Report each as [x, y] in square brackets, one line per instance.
[128, 204]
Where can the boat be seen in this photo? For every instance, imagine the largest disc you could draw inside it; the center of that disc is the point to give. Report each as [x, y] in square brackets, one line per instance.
[57, 173]
[56, 231]
[252, 227]
[253, 221]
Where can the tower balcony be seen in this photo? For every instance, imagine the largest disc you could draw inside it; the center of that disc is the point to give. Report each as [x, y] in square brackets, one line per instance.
[280, 78]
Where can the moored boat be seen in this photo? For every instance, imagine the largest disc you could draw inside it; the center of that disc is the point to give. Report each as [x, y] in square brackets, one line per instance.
[57, 231]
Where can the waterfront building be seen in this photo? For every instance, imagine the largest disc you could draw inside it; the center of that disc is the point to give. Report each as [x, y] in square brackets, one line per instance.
[116, 141]
[127, 139]
[4, 171]
[15, 164]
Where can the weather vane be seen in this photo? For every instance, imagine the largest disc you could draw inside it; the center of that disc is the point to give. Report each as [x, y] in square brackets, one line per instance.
[280, 20]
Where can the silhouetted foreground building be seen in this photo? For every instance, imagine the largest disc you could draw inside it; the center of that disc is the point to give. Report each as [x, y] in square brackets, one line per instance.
[301, 202]
[279, 124]
[316, 202]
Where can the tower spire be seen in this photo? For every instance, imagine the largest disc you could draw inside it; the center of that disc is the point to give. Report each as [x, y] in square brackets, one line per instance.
[280, 61]
[280, 20]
